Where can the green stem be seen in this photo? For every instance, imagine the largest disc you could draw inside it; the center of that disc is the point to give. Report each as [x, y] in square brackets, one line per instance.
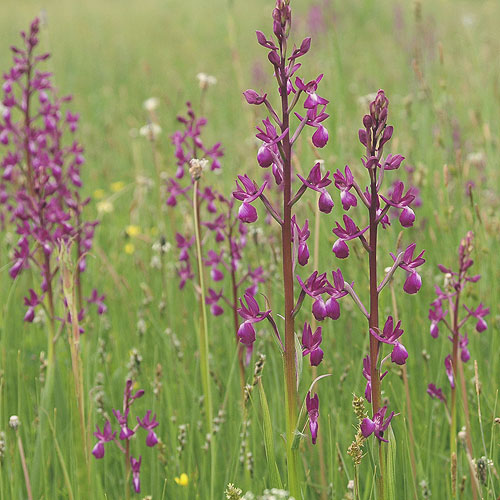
[203, 339]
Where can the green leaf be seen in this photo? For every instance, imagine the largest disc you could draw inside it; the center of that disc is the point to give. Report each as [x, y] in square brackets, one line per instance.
[390, 471]
[274, 474]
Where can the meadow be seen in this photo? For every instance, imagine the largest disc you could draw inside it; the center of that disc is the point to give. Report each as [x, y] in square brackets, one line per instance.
[439, 67]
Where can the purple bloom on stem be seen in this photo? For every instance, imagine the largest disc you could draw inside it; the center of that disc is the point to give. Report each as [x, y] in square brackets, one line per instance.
[344, 183]
[390, 335]
[183, 244]
[350, 232]
[413, 281]
[311, 343]
[434, 392]
[397, 199]
[247, 192]
[136, 468]
[378, 425]
[253, 97]
[448, 364]
[312, 405]
[314, 180]
[300, 236]
[393, 162]
[479, 313]
[98, 300]
[149, 424]
[212, 300]
[32, 301]
[366, 374]
[103, 437]
[125, 432]
[463, 342]
[251, 314]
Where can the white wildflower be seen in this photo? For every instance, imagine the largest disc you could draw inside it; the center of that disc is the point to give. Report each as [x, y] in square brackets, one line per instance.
[197, 167]
[205, 80]
[151, 104]
[151, 131]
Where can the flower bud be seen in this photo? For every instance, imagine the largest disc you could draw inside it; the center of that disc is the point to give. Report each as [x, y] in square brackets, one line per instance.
[303, 254]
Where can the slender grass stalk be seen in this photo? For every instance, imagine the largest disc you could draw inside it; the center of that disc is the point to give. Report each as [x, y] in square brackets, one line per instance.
[60, 456]
[408, 401]
[27, 482]
[69, 277]
[203, 338]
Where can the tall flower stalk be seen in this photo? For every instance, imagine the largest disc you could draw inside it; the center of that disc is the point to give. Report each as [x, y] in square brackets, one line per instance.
[276, 152]
[223, 245]
[447, 303]
[374, 135]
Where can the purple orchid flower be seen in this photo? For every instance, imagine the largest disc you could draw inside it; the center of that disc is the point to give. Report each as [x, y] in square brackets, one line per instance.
[32, 301]
[251, 314]
[448, 364]
[98, 300]
[311, 343]
[318, 183]
[300, 236]
[378, 425]
[212, 300]
[340, 248]
[413, 281]
[434, 392]
[390, 335]
[312, 405]
[136, 468]
[247, 192]
[479, 313]
[344, 183]
[103, 437]
[149, 424]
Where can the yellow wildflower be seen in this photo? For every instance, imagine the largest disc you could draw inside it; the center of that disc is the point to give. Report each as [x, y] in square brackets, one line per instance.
[129, 248]
[99, 194]
[183, 480]
[133, 231]
[117, 186]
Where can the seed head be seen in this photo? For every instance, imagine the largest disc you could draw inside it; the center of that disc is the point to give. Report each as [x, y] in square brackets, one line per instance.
[14, 422]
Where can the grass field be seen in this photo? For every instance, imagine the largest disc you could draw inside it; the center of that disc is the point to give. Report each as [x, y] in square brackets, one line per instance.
[439, 65]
